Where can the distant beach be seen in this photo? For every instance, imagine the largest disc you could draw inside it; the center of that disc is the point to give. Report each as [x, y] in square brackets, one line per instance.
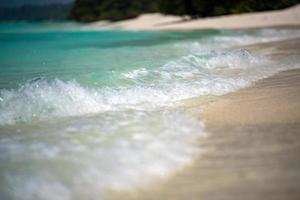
[156, 21]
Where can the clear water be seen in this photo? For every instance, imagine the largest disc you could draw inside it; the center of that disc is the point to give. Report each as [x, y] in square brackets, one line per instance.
[86, 111]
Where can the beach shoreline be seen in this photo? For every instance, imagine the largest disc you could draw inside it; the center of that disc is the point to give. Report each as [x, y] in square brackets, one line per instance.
[158, 22]
[211, 114]
[252, 148]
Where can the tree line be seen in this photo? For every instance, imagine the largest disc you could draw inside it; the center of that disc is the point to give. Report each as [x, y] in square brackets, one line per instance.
[114, 10]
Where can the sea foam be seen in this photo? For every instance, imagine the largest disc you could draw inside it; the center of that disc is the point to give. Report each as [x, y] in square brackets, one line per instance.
[110, 136]
[89, 155]
[63, 139]
[190, 76]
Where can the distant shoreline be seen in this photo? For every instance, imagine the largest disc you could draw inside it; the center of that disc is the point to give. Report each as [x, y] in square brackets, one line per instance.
[159, 22]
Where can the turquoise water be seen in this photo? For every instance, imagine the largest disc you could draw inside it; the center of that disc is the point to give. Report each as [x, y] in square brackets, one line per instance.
[85, 111]
[90, 57]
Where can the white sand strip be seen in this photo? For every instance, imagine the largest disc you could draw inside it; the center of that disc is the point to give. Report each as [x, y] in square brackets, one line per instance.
[156, 21]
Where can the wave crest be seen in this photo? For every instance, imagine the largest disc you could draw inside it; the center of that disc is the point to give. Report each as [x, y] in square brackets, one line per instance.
[189, 76]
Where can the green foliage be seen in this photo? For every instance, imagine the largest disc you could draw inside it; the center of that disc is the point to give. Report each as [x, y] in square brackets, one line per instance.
[92, 10]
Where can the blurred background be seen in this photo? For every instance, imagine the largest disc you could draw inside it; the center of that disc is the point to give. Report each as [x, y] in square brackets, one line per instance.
[114, 10]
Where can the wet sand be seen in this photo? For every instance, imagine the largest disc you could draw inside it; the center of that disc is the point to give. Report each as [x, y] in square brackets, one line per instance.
[253, 147]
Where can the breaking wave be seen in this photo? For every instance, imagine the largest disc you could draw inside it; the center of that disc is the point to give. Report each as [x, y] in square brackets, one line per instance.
[190, 76]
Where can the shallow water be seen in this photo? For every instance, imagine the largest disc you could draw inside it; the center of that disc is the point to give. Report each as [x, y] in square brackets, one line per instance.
[85, 111]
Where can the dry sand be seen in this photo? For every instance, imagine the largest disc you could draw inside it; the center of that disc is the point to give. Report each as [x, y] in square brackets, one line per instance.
[253, 147]
[156, 21]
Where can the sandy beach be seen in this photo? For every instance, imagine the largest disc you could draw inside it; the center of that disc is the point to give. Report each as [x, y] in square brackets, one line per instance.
[159, 22]
[252, 151]
[159, 107]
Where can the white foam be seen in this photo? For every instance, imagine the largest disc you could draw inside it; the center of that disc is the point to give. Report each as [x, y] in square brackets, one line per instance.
[88, 156]
[80, 142]
[190, 76]
[228, 39]
[109, 137]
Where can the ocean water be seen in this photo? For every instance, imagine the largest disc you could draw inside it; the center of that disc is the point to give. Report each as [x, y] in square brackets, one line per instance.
[85, 112]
